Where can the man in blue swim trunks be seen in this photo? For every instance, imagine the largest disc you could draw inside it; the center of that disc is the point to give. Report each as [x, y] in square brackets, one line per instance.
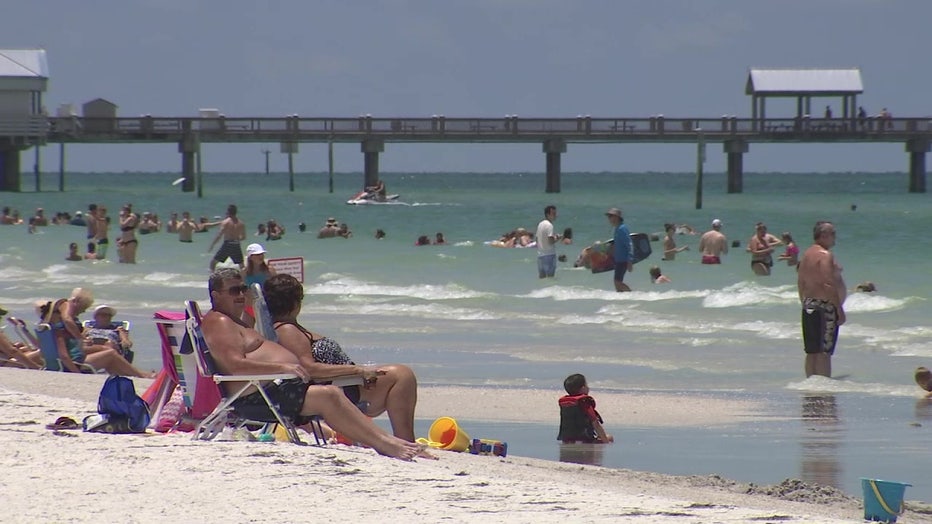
[624, 250]
[233, 231]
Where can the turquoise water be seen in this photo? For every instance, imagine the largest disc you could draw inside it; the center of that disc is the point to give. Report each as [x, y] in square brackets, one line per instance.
[474, 315]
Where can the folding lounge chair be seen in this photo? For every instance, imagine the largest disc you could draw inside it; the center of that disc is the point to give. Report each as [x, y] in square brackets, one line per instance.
[128, 354]
[213, 423]
[6, 361]
[45, 335]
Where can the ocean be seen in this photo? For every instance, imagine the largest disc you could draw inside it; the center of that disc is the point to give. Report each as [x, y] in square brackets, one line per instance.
[473, 315]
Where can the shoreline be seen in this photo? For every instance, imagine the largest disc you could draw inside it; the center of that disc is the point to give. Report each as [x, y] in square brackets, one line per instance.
[71, 475]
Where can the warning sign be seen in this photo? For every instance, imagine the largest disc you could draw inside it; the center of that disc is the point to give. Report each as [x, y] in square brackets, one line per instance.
[293, 266]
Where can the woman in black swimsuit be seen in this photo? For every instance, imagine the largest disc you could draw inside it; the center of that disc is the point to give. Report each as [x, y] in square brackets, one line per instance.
[391, 388]
[128, 243]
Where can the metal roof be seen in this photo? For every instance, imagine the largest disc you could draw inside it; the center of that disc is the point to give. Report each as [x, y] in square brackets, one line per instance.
[794, 82]
[29, 63]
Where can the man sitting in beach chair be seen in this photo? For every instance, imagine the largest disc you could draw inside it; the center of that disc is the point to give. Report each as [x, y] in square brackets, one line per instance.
[238, 349]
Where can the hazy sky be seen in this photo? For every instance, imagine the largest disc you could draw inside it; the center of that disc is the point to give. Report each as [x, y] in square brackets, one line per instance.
[540, 58]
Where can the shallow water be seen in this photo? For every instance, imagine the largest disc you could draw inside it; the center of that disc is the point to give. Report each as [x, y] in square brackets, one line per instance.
[469, 314]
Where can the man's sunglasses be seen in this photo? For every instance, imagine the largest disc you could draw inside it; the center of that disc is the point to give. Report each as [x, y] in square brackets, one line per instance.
[236, 290]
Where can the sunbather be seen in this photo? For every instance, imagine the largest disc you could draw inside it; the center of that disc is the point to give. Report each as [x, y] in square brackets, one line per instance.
[18, 353]
[391, 388]
[239, 349]
[102, 333]
[62, 316]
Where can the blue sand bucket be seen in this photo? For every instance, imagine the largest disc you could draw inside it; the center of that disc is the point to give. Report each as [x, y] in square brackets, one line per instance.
[883, 499]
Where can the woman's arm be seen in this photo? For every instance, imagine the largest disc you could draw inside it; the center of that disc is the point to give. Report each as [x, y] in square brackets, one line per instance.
[295, 341]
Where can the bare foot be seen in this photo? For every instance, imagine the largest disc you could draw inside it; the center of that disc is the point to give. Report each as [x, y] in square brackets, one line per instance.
[397, 448]
[423, 453]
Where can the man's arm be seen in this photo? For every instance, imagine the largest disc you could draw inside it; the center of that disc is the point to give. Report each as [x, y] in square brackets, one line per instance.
[67, 318]
[223, 228]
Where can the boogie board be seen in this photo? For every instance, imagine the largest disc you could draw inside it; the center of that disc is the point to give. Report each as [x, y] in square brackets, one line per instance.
[602, 254]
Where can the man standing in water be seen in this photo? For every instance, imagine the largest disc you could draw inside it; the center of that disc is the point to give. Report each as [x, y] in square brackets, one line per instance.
[624, 250]
[232, 230]
[547, 244]
[713, 244]
[822, 292]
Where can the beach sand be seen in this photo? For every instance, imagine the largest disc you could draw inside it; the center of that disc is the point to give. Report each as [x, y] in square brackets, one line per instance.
[61, 476]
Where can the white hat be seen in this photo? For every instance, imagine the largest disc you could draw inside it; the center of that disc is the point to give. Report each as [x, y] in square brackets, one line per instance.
[104, 308]
[254, 249]
[78, 213]
[716, 223]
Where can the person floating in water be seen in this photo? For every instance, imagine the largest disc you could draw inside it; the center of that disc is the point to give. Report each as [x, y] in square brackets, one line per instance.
[579, 421]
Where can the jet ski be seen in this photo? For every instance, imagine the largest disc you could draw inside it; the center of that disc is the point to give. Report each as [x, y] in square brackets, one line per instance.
[369, 197]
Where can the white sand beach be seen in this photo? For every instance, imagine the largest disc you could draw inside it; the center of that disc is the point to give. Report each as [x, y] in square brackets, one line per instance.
[71, 476]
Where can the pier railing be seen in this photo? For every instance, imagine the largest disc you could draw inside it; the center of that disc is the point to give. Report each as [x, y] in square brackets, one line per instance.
[504, 129]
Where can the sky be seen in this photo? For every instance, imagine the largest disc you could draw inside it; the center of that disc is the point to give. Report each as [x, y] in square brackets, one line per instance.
[477, 58]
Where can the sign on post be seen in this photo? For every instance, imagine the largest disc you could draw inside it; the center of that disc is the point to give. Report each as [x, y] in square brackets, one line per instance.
[293, 266]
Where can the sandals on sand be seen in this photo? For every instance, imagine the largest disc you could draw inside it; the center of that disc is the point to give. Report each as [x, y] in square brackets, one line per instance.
[63, 423]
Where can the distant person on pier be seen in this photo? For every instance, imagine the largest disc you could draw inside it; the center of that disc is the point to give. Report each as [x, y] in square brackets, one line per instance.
[669, 245]
[713, 244]
[828, 112]
[232, 231]
[862, 117]
[378, 190]
[547, 244]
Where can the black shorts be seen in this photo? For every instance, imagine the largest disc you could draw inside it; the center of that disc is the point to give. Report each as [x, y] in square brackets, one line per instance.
[620, 269]
[230, 249]
[820, 326]
[288, 396]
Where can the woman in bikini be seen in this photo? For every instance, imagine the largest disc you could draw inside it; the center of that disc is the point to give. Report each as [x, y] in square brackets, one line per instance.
[391, 388]
[128, 242]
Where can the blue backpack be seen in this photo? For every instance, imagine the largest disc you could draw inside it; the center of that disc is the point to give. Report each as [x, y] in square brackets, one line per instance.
[125, 411]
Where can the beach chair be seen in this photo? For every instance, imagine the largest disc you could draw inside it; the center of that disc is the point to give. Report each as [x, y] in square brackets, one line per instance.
[218, 419]
[48, 345]
[128, 354]
[7, 361]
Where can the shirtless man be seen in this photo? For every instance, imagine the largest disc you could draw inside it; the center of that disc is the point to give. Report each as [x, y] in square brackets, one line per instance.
[186, 227]
[239, 349]
[232, 230]
[713, 244]
[822, 292]
[669, 245]
[101, 232]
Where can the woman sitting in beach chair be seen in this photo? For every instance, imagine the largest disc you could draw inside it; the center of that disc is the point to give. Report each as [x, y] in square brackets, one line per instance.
[103, 333]
[391, 388]
[62, 317]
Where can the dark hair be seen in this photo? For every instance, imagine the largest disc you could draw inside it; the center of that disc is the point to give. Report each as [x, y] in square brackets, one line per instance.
[231, 210]
[91, 247]
[668, 226]
[568, 233]
[574, 383]
[215, 282]
[73, 245]
[423, 240]
[548, 209]
[283, 293]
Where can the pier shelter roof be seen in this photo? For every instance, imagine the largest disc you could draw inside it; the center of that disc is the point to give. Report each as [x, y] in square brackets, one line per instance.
[23, 69]
[804, 82]
[804, 85]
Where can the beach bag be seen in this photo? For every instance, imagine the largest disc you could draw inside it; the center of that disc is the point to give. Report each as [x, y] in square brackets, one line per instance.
[123, 410]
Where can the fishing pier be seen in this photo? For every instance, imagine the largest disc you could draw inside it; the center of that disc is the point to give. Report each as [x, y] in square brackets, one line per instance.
[24, 124]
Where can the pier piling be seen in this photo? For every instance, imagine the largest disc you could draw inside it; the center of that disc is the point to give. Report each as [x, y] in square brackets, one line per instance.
[735, 149]
[553, 149]
[371, 150]
[9, 169]
[917, 149]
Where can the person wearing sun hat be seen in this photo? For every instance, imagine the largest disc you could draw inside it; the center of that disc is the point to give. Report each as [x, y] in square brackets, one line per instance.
[330, 230]
[257, 270]
[713, 244]
[624, 250]
[103, 333]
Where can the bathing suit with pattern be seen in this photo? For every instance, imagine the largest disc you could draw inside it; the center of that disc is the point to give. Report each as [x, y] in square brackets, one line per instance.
[820, 326]
[328, 351]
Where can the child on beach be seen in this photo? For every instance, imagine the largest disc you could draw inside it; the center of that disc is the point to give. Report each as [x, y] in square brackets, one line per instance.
[579, 421]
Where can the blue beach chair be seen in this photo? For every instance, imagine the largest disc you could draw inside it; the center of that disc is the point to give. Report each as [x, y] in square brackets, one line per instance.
[45, 336]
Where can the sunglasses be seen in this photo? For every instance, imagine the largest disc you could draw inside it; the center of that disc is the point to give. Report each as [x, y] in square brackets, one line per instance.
[236, 290]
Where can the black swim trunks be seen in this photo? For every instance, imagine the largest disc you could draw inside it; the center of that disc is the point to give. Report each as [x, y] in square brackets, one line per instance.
[820, 326]
[287, 396]
[230, 249]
